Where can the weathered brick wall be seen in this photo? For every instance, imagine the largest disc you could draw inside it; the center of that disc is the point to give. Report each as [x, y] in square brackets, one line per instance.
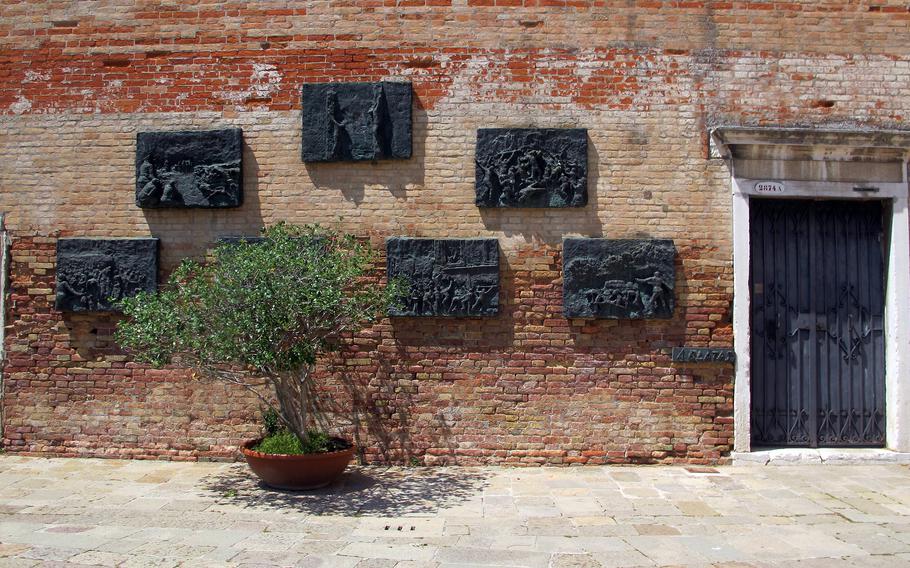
[71, 392]
[645, 78]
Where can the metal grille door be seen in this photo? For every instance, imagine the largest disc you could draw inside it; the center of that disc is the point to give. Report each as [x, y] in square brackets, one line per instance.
[818, 364]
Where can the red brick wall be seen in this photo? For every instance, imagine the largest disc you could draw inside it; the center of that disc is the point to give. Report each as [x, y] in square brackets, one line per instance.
[646, 78]
[531, 387]
[70, 391]
[525, 387]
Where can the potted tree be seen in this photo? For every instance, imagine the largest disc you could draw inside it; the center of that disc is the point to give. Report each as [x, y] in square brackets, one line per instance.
[258, 315]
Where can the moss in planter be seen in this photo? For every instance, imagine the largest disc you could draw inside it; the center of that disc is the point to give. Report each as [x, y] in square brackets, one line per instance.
[285, 442]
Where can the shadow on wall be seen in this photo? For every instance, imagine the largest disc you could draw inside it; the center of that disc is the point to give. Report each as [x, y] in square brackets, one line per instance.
[396, 176]
[189, 233]
[550, 225]
[376, 386]
[91, 334]
[385, 492]
[383, 405]
[369, 392]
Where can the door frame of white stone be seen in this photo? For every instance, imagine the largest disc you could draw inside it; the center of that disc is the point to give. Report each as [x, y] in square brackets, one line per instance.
[829, 164]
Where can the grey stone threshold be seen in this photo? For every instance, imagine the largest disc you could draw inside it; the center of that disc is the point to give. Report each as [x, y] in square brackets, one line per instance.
[830, 456]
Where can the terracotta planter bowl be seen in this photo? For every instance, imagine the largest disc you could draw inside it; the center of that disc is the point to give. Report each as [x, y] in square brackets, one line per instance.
[297, 472]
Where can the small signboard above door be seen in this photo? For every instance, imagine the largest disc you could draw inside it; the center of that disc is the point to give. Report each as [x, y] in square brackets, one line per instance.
[769, 187]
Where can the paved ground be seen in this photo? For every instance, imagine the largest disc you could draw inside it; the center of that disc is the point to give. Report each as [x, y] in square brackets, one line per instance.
[117, 513]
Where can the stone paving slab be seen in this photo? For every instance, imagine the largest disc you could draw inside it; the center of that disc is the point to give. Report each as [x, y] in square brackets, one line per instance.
[87, 512]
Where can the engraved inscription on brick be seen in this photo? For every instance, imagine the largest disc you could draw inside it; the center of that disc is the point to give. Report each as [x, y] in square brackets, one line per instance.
[356, 121]
[531, 167]
[448, 277]
[703, 355]
[196, 169]
[93, 272]
[618, 278]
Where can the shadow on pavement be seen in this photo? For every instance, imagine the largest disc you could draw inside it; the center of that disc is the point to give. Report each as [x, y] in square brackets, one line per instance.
[363, 491]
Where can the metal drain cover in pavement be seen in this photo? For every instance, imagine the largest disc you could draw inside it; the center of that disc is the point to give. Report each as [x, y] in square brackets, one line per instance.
[406, 527]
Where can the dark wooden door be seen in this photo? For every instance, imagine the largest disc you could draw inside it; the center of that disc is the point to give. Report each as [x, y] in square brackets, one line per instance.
[818, 357]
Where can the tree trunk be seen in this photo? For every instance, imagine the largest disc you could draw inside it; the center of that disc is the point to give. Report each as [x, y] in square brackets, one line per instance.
[293, 401]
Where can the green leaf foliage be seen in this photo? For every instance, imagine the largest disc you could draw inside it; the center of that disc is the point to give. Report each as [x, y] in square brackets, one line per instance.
[271, 423]
[285, 442]
[270, 306]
